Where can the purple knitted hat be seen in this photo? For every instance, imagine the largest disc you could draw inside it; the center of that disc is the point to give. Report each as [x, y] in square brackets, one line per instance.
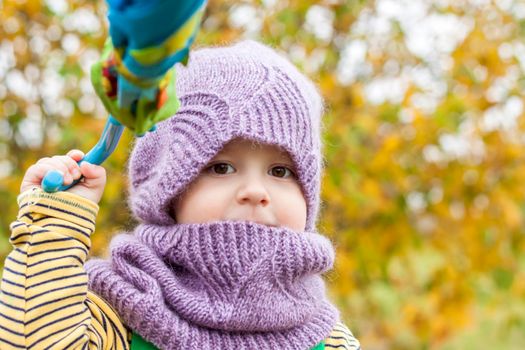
[243, 91]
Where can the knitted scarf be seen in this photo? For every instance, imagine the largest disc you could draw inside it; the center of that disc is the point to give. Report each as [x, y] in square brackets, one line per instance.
[219, 285]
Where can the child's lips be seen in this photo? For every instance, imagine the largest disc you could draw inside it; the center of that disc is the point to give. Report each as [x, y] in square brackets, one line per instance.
[257, 221]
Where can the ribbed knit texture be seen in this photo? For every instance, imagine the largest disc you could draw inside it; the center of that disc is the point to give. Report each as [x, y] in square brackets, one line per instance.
[246, 90]
[219, 285]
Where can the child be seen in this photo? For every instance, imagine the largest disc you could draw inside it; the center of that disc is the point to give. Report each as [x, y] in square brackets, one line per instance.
[226, 255]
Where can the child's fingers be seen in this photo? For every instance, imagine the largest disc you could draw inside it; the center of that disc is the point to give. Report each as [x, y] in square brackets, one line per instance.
[72, 166]
[94, 175]
[91, 171]
[36, 172]
[76, 154]
[43, 165]
[46, 164]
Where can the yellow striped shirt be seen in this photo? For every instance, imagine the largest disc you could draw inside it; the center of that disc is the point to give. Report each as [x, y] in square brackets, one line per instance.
[44, 299]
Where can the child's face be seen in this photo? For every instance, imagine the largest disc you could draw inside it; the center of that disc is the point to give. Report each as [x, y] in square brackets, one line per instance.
[245, 181]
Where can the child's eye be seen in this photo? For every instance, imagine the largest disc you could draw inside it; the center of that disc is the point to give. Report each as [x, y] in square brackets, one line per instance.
[220, 168]
[282, 171]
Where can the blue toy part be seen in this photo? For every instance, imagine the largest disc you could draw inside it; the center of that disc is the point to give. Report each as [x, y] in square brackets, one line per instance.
[53, 181]
[142, 23]
[154, 71]
[128, 93]
[137, 24]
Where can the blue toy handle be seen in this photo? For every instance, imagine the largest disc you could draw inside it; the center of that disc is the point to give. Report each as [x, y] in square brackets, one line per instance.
[53, 181]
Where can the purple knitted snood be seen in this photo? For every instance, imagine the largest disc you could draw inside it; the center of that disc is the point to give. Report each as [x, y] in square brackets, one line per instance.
[219, 285]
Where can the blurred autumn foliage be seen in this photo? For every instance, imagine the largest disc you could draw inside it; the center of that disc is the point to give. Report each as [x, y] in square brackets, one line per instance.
[424, 143]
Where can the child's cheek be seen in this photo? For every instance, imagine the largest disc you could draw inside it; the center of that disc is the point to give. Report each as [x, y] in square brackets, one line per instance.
[290, 208]
[199, 205]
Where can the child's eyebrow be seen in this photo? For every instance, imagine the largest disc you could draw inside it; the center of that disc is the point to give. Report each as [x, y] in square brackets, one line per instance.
[287, 160]
[285, 155]
[220, 155]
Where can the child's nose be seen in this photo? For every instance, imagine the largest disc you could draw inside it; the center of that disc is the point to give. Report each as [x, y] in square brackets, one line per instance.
[254, 193]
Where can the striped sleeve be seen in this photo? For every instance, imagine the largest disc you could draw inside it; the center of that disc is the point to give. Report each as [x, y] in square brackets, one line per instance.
[342, 338]
[44, 299]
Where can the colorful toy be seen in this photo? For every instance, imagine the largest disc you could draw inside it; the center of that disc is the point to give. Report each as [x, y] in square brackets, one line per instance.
[135, 78]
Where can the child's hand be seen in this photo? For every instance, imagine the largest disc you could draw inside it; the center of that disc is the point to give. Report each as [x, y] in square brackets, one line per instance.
[90, 187]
